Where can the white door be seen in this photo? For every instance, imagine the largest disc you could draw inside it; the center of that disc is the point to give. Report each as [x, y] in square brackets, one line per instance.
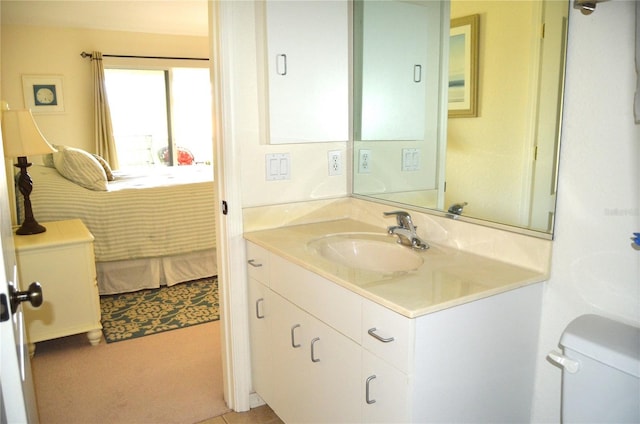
[18, 404]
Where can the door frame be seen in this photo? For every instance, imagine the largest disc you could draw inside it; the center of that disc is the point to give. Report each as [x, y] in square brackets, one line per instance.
[231, 255]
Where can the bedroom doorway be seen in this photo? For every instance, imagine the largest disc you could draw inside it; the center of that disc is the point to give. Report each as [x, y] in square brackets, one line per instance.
[86, 14]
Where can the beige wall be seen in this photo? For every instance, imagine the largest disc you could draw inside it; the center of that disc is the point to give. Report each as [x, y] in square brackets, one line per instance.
[54, 51]
[486, 154]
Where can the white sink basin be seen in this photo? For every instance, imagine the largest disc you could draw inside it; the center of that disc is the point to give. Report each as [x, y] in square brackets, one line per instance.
[367, 251]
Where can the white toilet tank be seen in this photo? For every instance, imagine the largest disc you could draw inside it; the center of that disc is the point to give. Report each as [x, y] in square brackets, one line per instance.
[603, 384]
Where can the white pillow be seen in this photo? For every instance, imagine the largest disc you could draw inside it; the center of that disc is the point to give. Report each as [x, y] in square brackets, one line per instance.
[81, 168]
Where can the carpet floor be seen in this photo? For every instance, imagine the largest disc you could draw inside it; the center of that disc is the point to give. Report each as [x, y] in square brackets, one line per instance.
[166, 378]
[141, 313]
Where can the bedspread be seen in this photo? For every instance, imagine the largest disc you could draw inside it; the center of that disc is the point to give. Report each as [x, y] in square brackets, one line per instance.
[170, 212]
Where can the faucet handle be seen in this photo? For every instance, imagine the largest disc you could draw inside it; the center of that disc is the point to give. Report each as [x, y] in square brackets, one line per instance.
[403, 213]
[457, 208]
[402, 218]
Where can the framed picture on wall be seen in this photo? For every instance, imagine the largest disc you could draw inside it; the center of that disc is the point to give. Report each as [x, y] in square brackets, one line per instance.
[463, 67]
[43, 93]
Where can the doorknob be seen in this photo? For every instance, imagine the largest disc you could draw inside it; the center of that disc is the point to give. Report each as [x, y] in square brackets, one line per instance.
[33, 295]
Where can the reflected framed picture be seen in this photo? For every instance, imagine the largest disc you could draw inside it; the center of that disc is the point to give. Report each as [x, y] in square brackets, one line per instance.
[463, 67]
[43, 93]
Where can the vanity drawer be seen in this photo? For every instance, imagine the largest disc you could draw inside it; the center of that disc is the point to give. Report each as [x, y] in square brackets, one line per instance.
[388, 334]
[258, 263]
[334, 305]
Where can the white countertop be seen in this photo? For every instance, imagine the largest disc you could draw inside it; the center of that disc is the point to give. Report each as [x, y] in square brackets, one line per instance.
[447, 278]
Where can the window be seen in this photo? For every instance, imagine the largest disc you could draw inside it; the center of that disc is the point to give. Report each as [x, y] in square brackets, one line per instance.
[161, 117]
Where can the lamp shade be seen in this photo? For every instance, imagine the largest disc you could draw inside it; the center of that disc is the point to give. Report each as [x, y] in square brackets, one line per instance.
[21, 135]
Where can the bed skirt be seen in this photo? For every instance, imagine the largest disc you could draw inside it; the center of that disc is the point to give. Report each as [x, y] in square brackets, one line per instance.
[137, 274]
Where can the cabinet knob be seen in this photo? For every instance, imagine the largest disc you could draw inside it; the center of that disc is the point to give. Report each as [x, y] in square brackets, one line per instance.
[33, 295]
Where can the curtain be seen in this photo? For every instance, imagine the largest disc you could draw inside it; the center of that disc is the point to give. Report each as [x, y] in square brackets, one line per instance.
[105, 143]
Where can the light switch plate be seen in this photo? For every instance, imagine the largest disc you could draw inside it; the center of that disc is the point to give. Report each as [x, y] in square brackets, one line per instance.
[410, 159]
[277, 166]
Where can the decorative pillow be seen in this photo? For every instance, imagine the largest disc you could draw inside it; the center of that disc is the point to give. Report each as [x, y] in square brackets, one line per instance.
[105, 165]
[81, 168]
[47, 160]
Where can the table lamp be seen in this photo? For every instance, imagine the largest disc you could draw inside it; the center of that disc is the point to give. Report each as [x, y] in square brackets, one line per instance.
[22, 138]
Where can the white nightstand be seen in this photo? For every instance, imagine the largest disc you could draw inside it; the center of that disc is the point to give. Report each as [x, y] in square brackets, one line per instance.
[62, 261]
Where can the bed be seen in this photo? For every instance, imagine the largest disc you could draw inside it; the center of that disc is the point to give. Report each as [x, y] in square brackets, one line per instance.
[151, 229]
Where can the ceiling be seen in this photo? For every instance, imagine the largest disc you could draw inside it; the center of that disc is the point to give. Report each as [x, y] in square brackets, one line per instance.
[184, 17]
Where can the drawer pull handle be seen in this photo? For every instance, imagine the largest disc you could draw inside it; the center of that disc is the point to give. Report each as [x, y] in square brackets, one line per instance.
[372, 333]
[281, 64]
[417, 73]
[313, 354]
[293, 337]
[253, 263]
[367, 394]
[258, 314]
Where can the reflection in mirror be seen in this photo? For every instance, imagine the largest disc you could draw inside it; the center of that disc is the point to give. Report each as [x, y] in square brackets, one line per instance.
[503, 162]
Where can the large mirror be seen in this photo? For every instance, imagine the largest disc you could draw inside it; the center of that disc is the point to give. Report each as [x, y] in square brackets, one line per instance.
[497, 162]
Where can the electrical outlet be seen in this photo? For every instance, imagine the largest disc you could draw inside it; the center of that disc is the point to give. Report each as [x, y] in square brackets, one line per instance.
[364, 161]
[335, 162]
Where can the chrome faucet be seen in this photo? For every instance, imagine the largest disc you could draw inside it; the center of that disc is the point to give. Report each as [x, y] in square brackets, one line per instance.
[456, 208]
[405, 230]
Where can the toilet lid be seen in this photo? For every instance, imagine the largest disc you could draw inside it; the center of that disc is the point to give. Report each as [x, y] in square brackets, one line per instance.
[611, 342]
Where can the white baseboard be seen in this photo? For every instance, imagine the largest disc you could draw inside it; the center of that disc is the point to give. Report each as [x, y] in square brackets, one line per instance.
[255, 400]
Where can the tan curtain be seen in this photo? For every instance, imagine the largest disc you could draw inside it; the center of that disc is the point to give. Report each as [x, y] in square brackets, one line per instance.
[105, 144]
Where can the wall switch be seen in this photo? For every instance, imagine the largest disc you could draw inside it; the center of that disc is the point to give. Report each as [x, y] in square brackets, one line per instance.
[277, 166]
[364, 161]
[410, 159]
[335, 162]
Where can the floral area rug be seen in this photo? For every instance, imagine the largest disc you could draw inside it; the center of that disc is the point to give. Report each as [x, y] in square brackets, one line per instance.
[130, 315]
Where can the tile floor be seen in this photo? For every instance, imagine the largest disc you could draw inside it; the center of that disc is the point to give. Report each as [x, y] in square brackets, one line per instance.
[260, 415]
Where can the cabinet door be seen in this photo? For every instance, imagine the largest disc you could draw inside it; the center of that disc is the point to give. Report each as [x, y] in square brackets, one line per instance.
[308, 67]
[334, 372]
[316, 369]
[394, 67]
[290, 331]
[259, 315]
[397, 76]
[385, 391]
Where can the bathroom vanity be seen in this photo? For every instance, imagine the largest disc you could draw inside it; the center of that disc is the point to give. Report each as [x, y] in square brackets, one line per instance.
[451, 340]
